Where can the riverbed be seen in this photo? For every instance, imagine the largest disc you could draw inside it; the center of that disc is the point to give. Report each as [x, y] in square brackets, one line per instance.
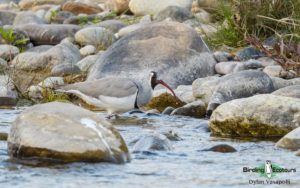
[186, 165]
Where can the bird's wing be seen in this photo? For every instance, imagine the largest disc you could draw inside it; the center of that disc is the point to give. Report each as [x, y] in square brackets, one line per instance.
[111, 87]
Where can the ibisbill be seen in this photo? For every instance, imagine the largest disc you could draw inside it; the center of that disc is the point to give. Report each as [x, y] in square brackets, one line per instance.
[114, 94]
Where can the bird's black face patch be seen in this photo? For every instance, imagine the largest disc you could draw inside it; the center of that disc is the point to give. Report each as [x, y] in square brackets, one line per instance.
[153, 80]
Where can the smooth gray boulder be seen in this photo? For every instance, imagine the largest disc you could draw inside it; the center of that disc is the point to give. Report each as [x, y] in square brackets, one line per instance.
[240, 85]
[112, 25]
[155, 142]
[62, 132]
[23, 18]
[259, 116]
[194, 109]
[289, 91]
[172, 49]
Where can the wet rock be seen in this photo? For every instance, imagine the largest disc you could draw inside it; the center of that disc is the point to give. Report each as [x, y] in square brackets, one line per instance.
[8, 96]
[221, 56]
[196, 109]
[168, 110]
[81, 8]
[254, 117]
[65, 69]
[182, 52]
[291, 140]
[162, 101]
[3, 136]
[289, 91]
[113, 25]
[203, 88]
[118, 6]
[32, 67]
[248, 53]
[64, 133]
[222, 148]
[7, 17]
[240, 85]
[28, 4]
[27, 18]
[8, 52]
[86, 63]
[87, 50]
[155, 142]
[275, 71]
[144, 7]
[99, 37]
[49, 34]
[176, 13]
[280, 83]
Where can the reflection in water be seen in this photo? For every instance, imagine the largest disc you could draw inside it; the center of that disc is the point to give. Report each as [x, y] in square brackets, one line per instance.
[184, 166]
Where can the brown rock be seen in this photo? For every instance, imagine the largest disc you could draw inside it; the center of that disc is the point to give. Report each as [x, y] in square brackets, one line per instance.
[78, 8]
[118, 6]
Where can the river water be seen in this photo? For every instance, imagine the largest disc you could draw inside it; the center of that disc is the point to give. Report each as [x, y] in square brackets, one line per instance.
[186, 165]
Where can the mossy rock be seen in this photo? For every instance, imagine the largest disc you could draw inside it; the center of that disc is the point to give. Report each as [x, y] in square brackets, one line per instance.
[163, 101]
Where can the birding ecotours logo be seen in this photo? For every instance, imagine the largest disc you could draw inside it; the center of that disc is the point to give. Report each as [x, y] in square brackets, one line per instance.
[269, 169]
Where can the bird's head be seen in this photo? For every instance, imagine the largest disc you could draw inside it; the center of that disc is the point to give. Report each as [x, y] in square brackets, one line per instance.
[154, 81]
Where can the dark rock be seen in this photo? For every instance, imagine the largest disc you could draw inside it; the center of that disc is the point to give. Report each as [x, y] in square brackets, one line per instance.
[168, 110]
[222, 148]
[81, 8]
[290, 141]
[152, 143]
[248, 53]
[195, 109]
[162, 101]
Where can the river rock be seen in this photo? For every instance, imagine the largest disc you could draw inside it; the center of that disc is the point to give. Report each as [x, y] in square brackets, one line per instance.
[118, 6]
[203, 88]
[222, 56]
[226, 67]
[49, 34]
[59, 17]
[267, 61]
[144, 7]
[113, 25]
[289, 91]
[240, 85]
[163, 101]
[28, 4]
[32, 67]
[168, 110]
[291, 140]
[203, 16]
[8, 52]
[64, 133]
[222, 148]
[254, 117]
[40, 49]
[81, 8]
[8, 96]
[27, 18]
[129, 29]
[152, 143]
[280, 83]
[176, 13]
[86, 63]
[182, 52]
[99, 37]
[183, 92]
[248, 53]
[275, 71]
[196, 109]
[7, 17]
[87, 50]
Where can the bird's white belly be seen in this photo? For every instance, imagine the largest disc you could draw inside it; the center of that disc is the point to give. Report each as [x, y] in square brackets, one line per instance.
[110, 104]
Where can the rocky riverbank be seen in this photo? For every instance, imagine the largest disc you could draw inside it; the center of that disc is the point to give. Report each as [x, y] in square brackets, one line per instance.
[46, 44]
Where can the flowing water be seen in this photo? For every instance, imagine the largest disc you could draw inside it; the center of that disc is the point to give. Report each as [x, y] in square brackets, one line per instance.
[186, 165]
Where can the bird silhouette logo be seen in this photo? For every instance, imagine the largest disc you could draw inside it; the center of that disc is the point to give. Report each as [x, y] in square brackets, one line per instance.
[268, 168]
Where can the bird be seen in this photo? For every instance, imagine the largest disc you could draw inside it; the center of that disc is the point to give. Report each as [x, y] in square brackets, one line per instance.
[116, 94]
[268, 169]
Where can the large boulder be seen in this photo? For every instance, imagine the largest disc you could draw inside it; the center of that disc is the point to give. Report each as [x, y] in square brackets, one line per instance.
[33, 67]
[49, 34]
[144, 7]
[172, 49]
[62, 132]
[260, 116]
[240, 85]
[290, 141]
[289, 91]
[8, 96]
